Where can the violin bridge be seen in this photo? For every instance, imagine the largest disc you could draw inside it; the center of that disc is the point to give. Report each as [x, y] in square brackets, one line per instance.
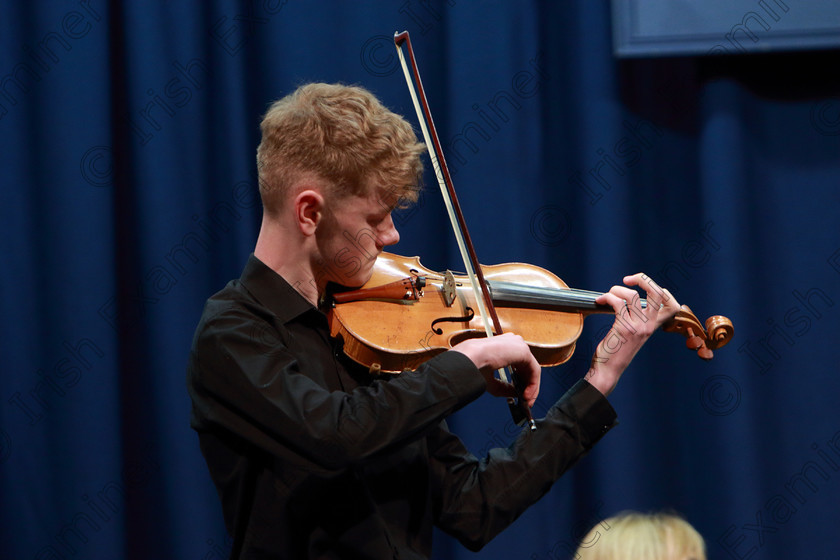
[449, 288]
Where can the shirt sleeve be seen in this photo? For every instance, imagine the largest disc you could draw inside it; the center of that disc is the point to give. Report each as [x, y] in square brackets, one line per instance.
[478, 498]
[255, 390]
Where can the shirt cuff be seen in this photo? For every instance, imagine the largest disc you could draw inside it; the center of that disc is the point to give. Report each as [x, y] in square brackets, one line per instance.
[592, 412]
[464, 379]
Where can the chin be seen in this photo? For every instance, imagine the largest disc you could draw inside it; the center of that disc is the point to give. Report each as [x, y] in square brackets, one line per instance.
[355, 271]
[357, 280]
[363, 278]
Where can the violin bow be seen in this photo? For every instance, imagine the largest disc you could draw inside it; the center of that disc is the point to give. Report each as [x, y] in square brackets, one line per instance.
[519, 408]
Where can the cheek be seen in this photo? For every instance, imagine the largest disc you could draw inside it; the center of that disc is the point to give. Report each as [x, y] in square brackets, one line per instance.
[363, 243]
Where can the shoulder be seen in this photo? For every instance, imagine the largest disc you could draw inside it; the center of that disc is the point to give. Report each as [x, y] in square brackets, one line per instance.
[233, 321]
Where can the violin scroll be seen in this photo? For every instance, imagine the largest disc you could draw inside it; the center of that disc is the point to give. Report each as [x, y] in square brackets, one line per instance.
[716, 334]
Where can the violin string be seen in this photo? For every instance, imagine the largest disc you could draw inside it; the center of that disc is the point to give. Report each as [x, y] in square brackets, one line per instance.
[538, 294]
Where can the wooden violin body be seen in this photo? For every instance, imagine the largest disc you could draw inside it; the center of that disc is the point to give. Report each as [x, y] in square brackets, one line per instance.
[407, 314]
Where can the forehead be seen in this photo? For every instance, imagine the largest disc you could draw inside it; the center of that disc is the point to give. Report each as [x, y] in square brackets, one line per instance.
[376, 201]
[386, 198]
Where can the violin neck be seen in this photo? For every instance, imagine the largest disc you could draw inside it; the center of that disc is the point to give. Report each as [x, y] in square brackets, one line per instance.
[516, 295]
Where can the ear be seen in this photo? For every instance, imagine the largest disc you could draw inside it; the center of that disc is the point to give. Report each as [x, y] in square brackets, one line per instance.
[309, 208]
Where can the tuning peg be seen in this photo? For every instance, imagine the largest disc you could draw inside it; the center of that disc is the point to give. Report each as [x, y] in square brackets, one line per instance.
[704, 353]
[693, 342]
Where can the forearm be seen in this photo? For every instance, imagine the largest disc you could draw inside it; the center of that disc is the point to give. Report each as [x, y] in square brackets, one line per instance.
[482, 497]
[329, 429]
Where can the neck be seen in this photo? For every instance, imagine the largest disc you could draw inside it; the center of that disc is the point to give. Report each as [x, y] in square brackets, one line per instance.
[287, 254]
[507, 293]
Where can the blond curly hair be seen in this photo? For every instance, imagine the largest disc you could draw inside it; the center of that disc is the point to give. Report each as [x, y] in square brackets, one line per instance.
[343, 136]
[639, 536]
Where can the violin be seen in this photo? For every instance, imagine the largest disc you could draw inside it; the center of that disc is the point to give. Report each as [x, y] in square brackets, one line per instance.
[406, 314]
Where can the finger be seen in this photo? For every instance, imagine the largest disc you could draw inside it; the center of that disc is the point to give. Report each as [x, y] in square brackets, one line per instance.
[609, 298]
[619, 298]
[670, 302]
[635, 279]
[654, 291]
[499, 388]
[528, 375]
[527, 371]
[662, 302]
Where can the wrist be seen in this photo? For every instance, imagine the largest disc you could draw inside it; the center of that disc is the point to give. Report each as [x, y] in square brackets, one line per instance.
[602, 380]
[473, 350]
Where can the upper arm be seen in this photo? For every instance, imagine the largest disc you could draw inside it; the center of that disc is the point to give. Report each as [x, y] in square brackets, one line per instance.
[254, 387]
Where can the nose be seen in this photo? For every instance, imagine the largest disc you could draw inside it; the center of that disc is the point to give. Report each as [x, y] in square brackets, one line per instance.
[388, 234]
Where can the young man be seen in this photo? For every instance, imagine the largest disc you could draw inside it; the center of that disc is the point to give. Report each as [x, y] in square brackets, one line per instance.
[311, 456]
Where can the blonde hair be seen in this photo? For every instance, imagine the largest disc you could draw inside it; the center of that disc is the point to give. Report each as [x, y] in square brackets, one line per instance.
[343, 136]
[639, 536]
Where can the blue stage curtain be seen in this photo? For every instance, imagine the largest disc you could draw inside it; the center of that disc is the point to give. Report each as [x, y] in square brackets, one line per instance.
[127, 140]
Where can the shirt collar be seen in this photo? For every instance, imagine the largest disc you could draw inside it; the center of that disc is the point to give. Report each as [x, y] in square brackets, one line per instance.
[273, 291]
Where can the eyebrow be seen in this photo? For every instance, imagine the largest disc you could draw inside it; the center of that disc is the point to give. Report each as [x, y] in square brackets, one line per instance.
[384, 209]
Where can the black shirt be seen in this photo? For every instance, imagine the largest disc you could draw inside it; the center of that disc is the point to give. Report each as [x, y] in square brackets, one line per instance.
[313, 458]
